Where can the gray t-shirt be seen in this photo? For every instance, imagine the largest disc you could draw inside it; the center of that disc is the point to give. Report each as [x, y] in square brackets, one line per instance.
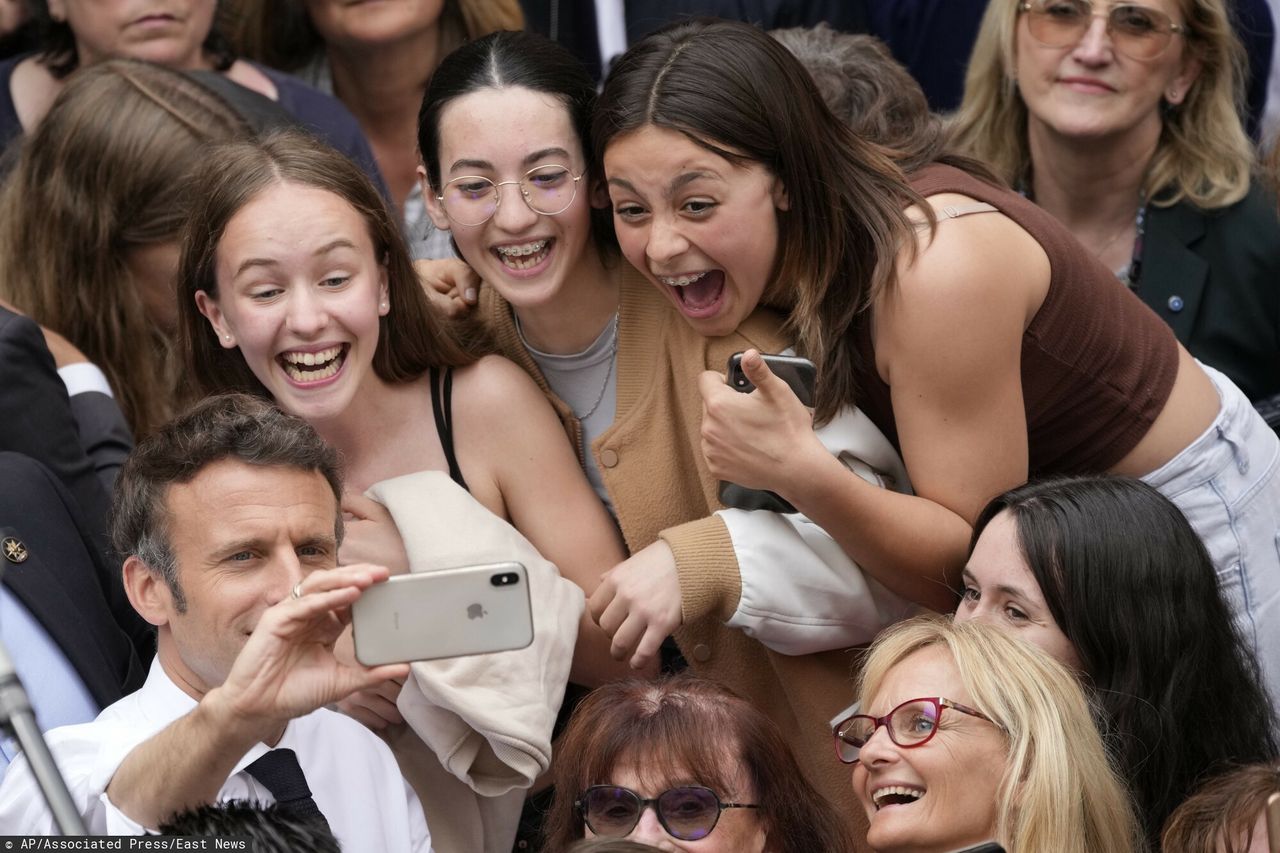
[588, 382]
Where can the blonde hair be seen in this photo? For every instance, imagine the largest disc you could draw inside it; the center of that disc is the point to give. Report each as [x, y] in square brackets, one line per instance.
[1059, 791]
[1203, 155]
[105, 173]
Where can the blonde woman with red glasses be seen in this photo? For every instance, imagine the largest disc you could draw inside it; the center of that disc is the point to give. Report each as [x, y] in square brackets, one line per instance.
[965, 735]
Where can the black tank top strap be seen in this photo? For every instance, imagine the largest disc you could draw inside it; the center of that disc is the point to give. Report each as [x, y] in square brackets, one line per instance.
[442, 408]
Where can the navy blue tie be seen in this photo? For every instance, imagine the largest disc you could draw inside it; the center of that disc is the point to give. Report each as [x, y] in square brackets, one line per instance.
[281, 774]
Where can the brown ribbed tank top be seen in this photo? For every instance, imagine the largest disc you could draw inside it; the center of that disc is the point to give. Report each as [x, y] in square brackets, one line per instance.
[1097, 364]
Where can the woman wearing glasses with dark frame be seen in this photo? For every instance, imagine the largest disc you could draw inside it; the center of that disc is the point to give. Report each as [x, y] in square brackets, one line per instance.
[1121, 120]
[685, 764]
[1008, 753]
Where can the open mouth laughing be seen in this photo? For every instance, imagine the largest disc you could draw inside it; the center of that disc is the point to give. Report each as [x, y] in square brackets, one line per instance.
[524, 256]
[895, 795]
[305, 367]
[698, 293]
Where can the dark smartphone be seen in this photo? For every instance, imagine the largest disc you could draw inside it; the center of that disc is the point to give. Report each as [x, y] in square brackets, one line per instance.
[799, 374]
[985, 847]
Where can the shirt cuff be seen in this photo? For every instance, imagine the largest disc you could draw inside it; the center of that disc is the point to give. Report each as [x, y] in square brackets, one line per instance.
[84, 376]
[117, 822]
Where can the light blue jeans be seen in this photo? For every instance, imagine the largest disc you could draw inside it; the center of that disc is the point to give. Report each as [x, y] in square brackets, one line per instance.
[1227, 483]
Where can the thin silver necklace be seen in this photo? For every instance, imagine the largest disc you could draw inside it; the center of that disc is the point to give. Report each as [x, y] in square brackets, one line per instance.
[613, 357]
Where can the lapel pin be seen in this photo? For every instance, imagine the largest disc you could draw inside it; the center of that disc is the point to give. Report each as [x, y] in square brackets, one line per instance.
[14, 550]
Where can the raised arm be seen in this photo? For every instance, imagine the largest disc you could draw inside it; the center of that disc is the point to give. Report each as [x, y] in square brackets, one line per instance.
[285, 670]
[948, 342]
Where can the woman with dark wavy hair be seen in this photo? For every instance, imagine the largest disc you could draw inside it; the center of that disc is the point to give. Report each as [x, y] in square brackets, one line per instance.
[685, 759]
[968, 324]
[1105, 574]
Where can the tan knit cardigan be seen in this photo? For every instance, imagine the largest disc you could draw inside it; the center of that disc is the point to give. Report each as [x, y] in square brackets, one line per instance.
[660, 486]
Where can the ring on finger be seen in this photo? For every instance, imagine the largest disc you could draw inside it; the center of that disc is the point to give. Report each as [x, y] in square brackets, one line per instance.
[297, 590]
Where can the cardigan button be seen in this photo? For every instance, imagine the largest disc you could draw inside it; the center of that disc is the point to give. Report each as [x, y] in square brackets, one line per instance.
[1175, 304]
[702, 653]
[609, 458]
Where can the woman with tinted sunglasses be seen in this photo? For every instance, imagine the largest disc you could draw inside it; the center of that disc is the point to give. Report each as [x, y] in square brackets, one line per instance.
[1121, 120]
[685, 764]
[967, 736]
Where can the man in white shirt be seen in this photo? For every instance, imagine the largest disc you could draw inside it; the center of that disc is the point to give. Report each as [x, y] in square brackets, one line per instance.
[230, 516]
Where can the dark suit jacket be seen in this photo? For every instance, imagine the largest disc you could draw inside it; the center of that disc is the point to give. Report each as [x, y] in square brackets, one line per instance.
[83, 442]
[78, 600]
[575, 20]
[1214, 276]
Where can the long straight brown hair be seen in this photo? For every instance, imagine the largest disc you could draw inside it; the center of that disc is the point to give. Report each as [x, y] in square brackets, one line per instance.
[107, 171]
[738, 93]
[411, 337]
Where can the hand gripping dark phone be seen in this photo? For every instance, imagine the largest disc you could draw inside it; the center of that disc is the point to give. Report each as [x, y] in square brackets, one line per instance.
[799, 374]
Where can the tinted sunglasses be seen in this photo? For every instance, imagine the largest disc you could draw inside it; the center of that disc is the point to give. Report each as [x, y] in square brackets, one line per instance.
[688, 812]
[1138, 32]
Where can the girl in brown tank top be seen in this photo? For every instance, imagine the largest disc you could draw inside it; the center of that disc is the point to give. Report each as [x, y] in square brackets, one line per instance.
[989, 347]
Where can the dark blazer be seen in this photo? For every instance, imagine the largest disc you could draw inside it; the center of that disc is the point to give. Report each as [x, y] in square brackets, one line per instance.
[62, 582]
[573, 22]
[38, 420]
[933, 39]
[1214, 276]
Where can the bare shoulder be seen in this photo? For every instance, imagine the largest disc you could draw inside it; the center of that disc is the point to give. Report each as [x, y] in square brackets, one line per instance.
[973, 286]
[494, 384]
[969, 260]
[33, 89]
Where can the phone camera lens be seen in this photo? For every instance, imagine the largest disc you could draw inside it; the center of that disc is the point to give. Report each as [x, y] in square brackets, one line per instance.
[505, 579]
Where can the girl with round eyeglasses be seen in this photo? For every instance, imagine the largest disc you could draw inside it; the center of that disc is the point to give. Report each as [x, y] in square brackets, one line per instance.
[505, 174]
[621, 368]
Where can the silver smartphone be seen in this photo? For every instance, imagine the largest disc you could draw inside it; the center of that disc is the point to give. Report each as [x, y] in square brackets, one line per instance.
[470, 610]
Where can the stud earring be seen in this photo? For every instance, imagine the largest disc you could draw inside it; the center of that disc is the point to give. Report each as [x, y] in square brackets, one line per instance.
[383, 306]
[1173, 95]
[227, 338]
